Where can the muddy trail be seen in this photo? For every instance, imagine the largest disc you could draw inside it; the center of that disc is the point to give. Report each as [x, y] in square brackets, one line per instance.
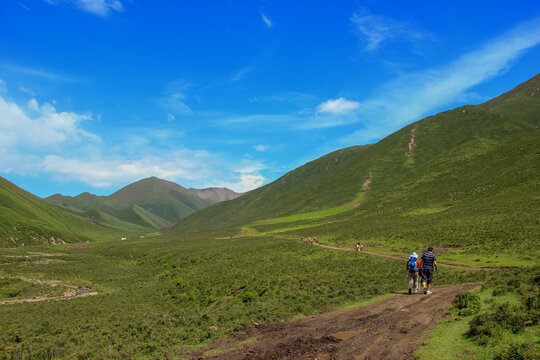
[397, 257]
[388, 329]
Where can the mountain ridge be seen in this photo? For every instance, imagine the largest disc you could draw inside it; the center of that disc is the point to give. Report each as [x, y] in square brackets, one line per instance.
[150, 203]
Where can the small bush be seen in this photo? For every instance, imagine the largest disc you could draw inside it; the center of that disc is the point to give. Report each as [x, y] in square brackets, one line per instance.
[467, 303]
[518, 352]
[489, 326]
[511, 317]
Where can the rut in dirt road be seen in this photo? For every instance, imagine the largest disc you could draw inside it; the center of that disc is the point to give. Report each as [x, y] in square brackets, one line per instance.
[388, 329]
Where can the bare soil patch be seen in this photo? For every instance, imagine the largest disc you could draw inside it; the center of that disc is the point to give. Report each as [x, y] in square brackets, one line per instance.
[388, 329]
[77, 246]
[445, 248]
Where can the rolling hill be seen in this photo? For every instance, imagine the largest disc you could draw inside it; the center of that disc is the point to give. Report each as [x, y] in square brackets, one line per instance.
[29, 220]
[463, 177]
[146, 205]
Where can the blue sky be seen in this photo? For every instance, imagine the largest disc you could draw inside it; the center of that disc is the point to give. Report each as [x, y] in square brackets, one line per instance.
[96, 94]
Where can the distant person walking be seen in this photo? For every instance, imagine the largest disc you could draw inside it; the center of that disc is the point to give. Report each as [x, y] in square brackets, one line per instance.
[361, 247]
[428, 262]
[412, 271]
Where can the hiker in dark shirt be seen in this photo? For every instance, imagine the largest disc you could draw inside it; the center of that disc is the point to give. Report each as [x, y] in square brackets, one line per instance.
[428, 262]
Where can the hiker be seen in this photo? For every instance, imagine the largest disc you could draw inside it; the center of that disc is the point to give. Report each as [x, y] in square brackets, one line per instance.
[361, 247]
[421, 277]
[357, 246]
[412, 271]
[428, 261]
[314, 239]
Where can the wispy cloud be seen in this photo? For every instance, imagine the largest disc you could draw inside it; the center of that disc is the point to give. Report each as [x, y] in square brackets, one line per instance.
[24, 6]
[3, 86]
[240, 74]
[413, 96]
[260, 148]
[375, 30]
[174, 99]
[28, 91]
[96, 7]
[266, 20]
[293, 97]
[259, 119]
[42, 73]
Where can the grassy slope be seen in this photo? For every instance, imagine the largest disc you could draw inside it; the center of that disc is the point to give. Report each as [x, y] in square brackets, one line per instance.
[27, 219]
[472, 180]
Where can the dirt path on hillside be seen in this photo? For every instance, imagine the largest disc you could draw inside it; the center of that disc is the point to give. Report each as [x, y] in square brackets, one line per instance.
[71, 293]
[387, 329]
[399, 258]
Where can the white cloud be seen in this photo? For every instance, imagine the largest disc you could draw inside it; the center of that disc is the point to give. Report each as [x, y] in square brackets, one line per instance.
[196, 168]
[170, 117]
[261, 148]
[49, 128]
[96, 7]
[375, 30]
[39, 140]
[266, 20]
[413, 96]
[338, 106]
[248, 182]
[105, 171]
[25, 90]
[33, 104]
[3, 86]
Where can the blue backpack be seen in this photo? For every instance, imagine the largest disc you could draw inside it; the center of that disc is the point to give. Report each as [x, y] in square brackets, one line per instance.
[413, 264]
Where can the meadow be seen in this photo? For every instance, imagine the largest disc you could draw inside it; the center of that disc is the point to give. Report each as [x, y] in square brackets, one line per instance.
[162, 297]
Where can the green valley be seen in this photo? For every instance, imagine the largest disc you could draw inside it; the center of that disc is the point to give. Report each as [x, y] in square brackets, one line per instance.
[227, 277]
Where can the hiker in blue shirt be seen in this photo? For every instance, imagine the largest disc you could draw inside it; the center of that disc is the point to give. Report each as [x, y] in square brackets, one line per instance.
[428, 261]
[412, 270]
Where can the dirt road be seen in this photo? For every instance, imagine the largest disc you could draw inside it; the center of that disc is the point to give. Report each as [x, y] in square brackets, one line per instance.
[397, 257]
[388, 329]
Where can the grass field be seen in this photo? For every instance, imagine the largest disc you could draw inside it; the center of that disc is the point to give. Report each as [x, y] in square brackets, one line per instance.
[160, 297]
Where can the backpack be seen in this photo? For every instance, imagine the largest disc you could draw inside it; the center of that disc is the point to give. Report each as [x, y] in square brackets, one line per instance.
[413, 264]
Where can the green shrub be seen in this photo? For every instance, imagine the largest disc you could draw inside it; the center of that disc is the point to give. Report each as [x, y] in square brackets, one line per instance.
[524, 351]
[467, 303]
[489, 326]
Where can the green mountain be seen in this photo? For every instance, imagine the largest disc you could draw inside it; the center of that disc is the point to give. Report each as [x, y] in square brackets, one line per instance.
[462, 177]
[146, 205]
[29, 220]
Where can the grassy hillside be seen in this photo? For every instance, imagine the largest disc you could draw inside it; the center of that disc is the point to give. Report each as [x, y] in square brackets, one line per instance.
[149, 204]
[464, 177]
[27, 219]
